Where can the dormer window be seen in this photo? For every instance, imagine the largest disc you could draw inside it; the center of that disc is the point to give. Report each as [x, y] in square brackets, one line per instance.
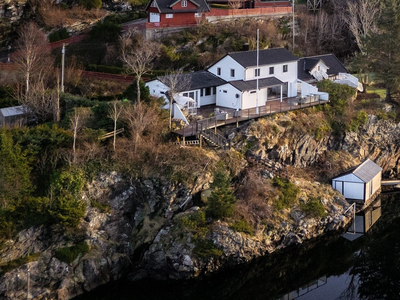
[256, 72]
[184, 3]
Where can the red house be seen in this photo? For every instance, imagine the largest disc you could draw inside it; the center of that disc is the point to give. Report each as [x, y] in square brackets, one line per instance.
[168, 13]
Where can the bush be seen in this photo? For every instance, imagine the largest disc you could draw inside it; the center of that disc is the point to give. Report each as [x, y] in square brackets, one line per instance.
[221, 202]
[131, 92]
[243, 226]
[287, 193]
[205, 248]
[61, 34]
[90, 4]
[69, 254]
[194, 221]
[314, 208]
[358, 121]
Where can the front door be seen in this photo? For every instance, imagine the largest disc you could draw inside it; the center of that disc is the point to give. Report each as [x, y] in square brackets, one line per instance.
[154, 17]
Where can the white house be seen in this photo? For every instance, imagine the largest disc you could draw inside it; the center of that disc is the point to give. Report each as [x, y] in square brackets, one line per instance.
[201, 86]
[359, 183]
[316, 68]
[276, 74]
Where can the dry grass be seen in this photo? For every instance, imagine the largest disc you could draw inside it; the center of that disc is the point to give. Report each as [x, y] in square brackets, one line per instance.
[254, 194]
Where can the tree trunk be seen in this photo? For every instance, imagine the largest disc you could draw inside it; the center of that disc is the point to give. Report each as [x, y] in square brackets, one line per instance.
[115, 133]
[138, 88]
[170, 115]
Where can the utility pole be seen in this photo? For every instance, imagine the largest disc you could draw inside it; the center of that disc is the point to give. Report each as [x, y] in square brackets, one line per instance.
[62, 67]
[257, 68]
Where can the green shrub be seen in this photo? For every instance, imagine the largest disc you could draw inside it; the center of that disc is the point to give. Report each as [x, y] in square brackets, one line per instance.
[358, 121]
[205, 248]
[243, 226]
[67, 210]
[105, 32]
[287, 193]
[104, 208]
[61, 34]
[193, 221]
[90, 4]
[313, 208]
[69, 254]
[221, 202]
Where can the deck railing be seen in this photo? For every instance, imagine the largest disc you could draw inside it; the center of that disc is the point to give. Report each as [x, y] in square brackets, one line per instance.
[231, 116]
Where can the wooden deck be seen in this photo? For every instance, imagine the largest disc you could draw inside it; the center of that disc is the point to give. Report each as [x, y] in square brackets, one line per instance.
[231, 116]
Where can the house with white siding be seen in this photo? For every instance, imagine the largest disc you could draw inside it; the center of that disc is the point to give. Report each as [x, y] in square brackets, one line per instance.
[360, 183]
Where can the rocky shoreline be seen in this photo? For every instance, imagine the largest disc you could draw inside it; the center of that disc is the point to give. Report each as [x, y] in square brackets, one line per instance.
[140, 235]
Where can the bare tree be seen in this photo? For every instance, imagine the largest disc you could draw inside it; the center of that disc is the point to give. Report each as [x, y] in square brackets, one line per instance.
[114, 114]
[361, 17]
[138, 54]
[176, 83]
[235, 4]
[138, 117]
[77, 121]
[31, 53]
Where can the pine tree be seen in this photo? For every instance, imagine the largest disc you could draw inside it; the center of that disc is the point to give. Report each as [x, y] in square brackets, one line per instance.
[221, 202]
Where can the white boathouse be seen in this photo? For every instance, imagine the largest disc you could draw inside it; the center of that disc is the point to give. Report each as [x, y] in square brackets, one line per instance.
[359, 183]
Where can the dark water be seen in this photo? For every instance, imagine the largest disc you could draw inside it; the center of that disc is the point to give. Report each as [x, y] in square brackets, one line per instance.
[329, 268]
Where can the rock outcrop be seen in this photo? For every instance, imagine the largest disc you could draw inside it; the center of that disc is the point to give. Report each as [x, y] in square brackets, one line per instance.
[140, 233]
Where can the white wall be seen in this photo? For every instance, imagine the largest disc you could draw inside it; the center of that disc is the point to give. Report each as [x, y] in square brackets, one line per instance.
[349, 178]
[226, 64]
[226, 96]
[250, 99]
[157, 88]
[354, 190]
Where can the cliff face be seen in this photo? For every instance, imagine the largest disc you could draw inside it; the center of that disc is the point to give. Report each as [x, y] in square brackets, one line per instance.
[141, 234]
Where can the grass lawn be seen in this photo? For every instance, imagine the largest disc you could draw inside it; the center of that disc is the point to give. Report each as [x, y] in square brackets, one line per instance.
[381, 92]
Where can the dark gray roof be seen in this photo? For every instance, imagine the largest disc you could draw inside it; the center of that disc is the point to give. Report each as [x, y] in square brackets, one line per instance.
[266, 57]
[12, 111]
[252, 84]
[306, 64]
[165, 6]
[197, 80]
[365, 171]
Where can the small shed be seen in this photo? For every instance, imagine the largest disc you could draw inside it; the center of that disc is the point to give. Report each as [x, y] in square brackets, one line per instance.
[12, 116]
[359, 183]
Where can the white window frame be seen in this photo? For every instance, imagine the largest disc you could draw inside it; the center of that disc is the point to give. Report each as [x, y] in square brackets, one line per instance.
[169, 16]
[219, 71]
[153, 4]
[184, 3]
[285, 68]
[232, 73]
[197, 15]
[257, 72]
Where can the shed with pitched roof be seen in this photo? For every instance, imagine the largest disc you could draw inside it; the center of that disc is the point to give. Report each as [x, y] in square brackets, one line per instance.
[359, 183]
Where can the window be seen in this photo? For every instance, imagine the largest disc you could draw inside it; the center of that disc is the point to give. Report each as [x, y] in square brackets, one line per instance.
[232, 72]
[256, 72]
[319, 68]
[218, 71]
[285, 68]
[253, 92]
[201, 92]
[208, 91]
[197, 15]
[271, 70]
[214, 90]
[225, 91]
[153, 4]
[169, 16]
[184, 3]
[185, 94]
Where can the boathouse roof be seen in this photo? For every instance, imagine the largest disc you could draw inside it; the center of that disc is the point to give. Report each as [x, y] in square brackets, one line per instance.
[366, 171]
